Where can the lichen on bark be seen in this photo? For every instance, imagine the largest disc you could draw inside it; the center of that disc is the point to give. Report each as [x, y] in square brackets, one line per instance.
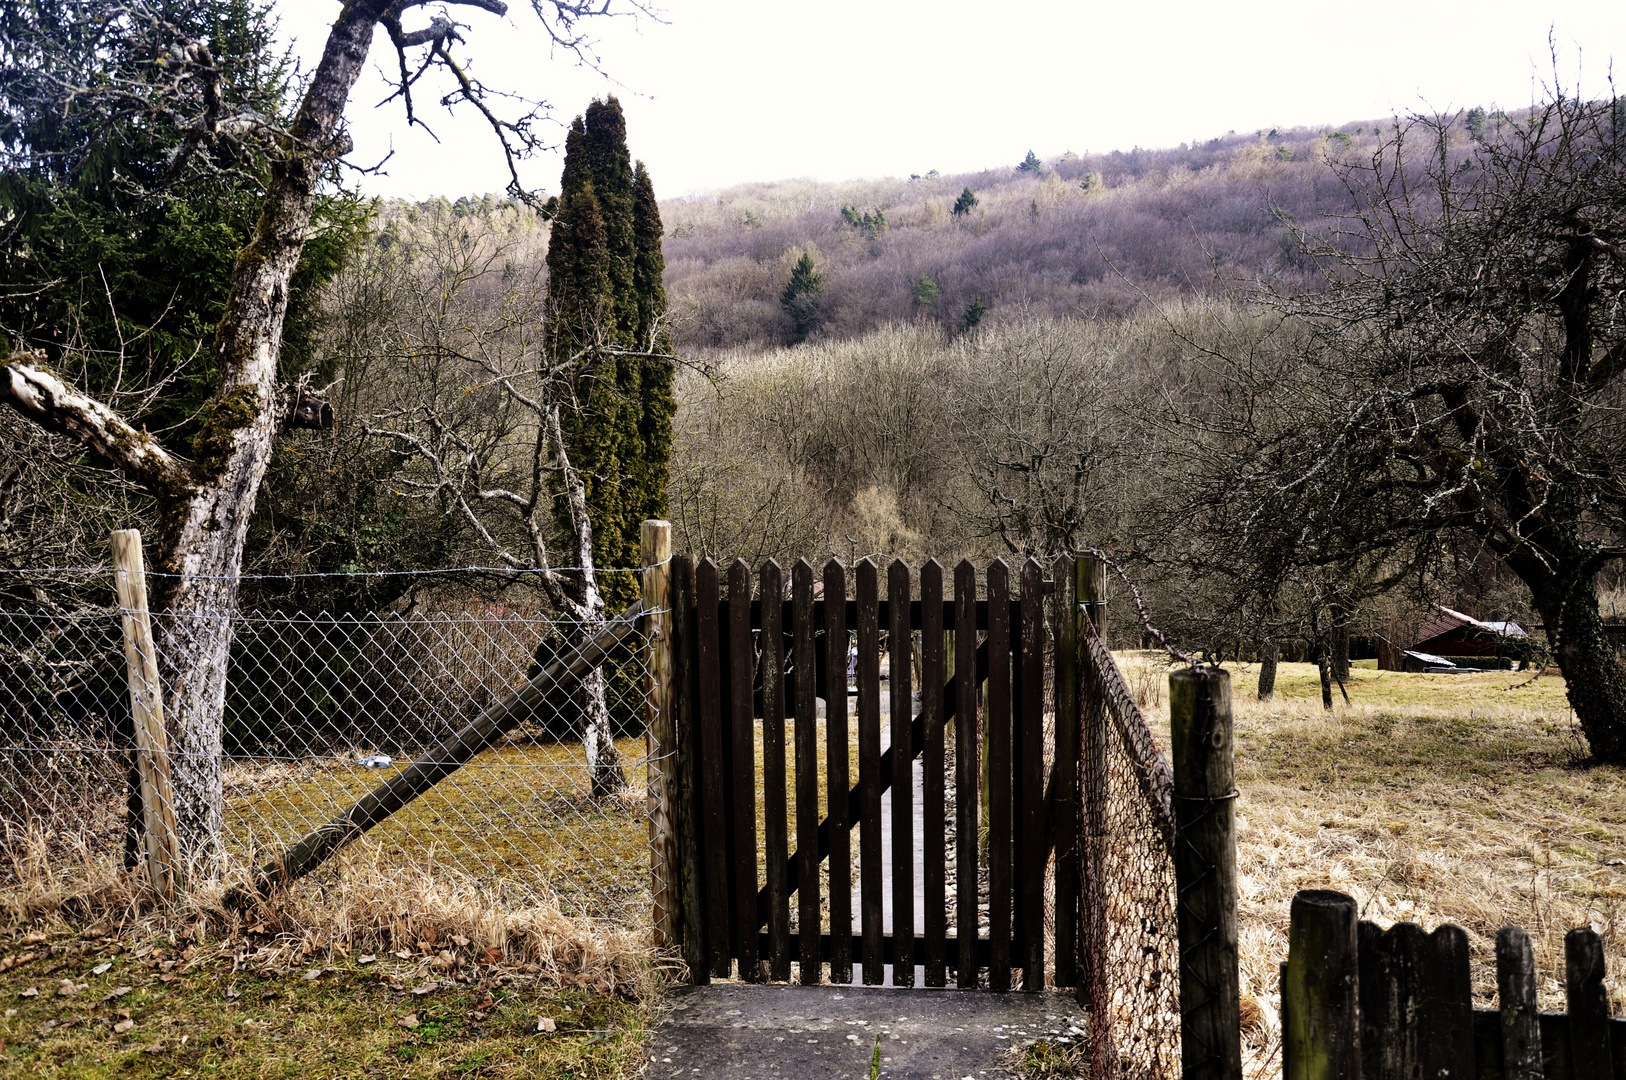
[223, 418]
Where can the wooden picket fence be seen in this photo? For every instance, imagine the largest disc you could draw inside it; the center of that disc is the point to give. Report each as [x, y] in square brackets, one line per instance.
[1363, 1003]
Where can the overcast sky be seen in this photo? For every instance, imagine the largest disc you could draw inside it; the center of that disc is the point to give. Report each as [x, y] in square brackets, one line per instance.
[725, 91]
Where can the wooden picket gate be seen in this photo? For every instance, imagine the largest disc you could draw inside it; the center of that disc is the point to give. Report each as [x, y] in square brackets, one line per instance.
[750, 656]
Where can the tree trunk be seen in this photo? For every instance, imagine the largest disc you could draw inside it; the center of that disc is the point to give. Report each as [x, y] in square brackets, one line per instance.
[1593, 674]
[207, 501]
[1340, 645]
[1271, 653]
[1324, 662]
[598, 739]
[203, 546]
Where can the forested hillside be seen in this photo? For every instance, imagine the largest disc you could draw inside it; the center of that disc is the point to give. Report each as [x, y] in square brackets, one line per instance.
[1084, 236]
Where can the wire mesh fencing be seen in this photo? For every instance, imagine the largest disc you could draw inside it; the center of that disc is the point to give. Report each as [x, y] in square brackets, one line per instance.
[319, 710]
[1129, 945]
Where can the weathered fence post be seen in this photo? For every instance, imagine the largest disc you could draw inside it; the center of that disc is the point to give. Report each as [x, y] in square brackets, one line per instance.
[1320, 989]
[1090, 581]
[684, 790]
[1205, 873]
[160, 841]
[659, 732]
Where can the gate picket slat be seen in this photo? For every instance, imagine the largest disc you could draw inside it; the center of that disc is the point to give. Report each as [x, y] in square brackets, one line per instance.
[807, 769]
[774, 813]
[741, 675]
[869, 769]
[932, 674]
[967, 771]
[686, 723]
[999, 777]
[1061, 808]
[708, 644]
[836, 773]
[900, 647]
[1030, 779]
[1018, 910]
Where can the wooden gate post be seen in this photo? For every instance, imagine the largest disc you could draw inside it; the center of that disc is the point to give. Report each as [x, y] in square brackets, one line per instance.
[1090, 583]
[660, 739]
[1205, 873]
[160, 842]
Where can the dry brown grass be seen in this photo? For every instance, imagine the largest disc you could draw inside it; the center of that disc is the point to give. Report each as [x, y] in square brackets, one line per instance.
[436, 916]
[1451, 798]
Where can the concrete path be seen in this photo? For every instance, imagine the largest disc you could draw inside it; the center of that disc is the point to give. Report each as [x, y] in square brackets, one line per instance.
[731, 1031]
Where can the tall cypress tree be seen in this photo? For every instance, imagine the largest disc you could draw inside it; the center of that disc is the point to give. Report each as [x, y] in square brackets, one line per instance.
[652, 336]
[620, 434]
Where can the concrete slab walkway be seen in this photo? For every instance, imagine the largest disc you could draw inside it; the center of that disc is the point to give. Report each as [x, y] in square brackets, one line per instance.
[732, 1031]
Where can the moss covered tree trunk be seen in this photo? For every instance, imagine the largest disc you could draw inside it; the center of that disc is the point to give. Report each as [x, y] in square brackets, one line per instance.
[207, 501]
[203, 545]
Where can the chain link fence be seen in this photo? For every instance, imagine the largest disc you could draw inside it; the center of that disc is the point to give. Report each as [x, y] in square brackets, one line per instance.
[1129, 945]
[321, 709]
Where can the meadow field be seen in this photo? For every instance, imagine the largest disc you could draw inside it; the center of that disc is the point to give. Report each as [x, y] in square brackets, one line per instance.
[1466, 799]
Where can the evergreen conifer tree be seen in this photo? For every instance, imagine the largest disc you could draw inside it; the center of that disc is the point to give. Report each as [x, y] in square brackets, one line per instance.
[802, 296]
[1476, 124]
[653, 337]
[607, 307]
[964, 204]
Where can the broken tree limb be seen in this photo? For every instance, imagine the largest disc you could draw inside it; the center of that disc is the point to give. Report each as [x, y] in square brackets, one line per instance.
[27, 386]
[445, 759]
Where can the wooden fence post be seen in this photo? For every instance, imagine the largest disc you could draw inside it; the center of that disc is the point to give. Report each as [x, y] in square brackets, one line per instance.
[1090, 583]
[659, 732]
[159, 839]
[1321, 1037]
[1205, 873]
[684, 788]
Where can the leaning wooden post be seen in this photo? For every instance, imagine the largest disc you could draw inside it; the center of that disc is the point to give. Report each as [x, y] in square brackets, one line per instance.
[160, 841]
[659, 732]
[1205, 873]
[1321, 1037]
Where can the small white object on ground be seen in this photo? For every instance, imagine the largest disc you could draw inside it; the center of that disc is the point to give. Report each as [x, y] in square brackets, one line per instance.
[546, 1024]
[376, 761]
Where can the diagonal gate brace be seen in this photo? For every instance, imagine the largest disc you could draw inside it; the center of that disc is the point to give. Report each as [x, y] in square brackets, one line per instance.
[917, 741]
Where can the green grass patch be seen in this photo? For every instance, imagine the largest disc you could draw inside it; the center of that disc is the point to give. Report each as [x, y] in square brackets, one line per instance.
[519, 814]
[202, 1018]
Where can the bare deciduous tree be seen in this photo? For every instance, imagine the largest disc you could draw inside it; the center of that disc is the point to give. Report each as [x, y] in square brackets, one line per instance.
[207, 498]
[1460, 386]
